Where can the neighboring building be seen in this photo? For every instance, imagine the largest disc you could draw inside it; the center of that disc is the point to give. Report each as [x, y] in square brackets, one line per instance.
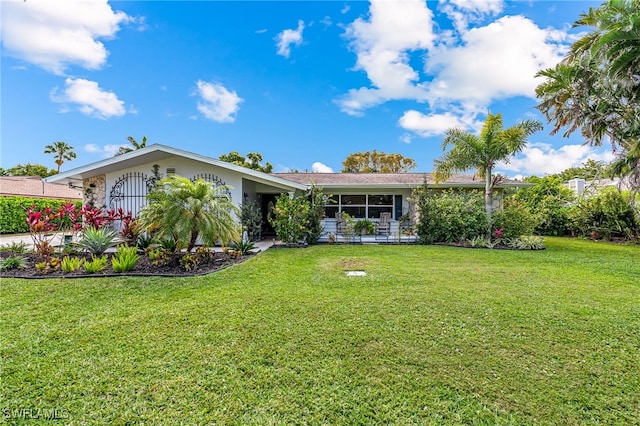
[125, 180]
[36, 187]
[589, 188]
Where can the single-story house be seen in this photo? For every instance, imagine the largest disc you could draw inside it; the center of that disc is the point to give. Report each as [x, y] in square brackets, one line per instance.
[124, 181]
[35, 187]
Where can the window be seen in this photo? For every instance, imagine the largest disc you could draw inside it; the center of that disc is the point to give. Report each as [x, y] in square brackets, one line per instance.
[360, 206]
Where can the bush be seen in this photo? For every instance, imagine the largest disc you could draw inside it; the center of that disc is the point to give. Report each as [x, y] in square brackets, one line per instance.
[449, 216]
[13, 262]
[97, 241]
[125, 258]
[606, 215]
[514, 220]
[289, 218]
[96, 264]
[251, 219]
[71, 264]
[13, 214]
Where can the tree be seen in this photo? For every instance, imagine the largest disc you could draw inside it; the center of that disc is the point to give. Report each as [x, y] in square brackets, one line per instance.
[596, 87]
[61, 152]
[589, 170]
[186, 210]
[134, 145]
[253, 161]
[483, 152]
[377, 162]
[29, 170]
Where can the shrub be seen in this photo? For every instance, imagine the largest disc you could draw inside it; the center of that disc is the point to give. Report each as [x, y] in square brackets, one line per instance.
[251, 219]
[365, 227]
[145, 241]
[449, 216]
[243, 247]
[13, 214]
[290, 218]
[50, 265]
[125, 258]
[71, 264]
[606, 215]
[514, 220]
[13, 262]
[97, 240]
[15, 247]
[96, 264]
[159, 256]
[527, 242]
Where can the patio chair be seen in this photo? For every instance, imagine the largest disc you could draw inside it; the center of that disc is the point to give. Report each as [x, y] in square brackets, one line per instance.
[384, 225]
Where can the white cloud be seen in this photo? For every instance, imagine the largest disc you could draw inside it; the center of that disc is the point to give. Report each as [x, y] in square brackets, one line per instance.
[382, 44]
[427, 125]
[541, 158]
[319, 167]
[89, 99]
[463, 12]
[288, 38]
[57, 34]
[105, 151]
[217, 103]
[405, 138]
[497, 61]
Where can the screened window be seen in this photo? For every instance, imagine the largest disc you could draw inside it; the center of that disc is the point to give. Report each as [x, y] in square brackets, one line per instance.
[360, 206]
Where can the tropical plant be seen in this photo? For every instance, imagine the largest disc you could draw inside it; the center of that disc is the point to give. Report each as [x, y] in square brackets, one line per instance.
[29, 170]
[482, 152]
[135, 145]
[289, 218]
[13, 262]
[243, 247]
[527, 242]
[317, 200]
[95, 265]
[125, 258]
[14, 247]
[159, 256]
[251, 219]
[365, 227]
[514, 220]
[377, 162]
[595, 87]
[605, 215]
[449, 216]
[61, 151]
[187, 210]
[71, 264]
[98, 240]
[145, 241]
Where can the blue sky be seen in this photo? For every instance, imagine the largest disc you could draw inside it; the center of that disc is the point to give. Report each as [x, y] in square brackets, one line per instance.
[304, 83]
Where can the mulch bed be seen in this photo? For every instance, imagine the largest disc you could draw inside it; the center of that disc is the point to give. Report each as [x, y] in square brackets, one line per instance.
[144, 267]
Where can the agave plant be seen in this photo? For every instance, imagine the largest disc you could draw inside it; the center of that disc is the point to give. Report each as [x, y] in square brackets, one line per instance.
[98, 240]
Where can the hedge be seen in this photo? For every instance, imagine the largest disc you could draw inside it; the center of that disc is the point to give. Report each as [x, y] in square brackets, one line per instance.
[13, 211]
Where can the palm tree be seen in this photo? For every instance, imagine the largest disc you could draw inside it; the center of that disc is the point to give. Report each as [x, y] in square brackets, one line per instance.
[484, 151]
[134, 143]
[186, 210]
[61, 151]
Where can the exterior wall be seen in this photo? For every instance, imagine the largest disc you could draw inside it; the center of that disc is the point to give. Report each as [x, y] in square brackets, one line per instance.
[94, 191]
[183, 167]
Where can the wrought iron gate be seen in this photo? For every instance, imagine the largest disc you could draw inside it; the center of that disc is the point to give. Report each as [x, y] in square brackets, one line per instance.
[130, 192]
[215, 180]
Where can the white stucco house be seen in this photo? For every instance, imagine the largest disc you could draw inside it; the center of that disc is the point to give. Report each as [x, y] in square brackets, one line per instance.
[125, 180]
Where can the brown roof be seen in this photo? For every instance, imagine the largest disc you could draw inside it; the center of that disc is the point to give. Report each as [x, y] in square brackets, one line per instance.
[388, 180]
[35, 187]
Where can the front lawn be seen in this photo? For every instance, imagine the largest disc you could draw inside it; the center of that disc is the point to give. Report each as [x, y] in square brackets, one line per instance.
[431, 335]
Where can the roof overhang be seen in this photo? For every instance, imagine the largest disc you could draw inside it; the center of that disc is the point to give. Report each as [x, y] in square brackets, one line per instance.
[157, 152]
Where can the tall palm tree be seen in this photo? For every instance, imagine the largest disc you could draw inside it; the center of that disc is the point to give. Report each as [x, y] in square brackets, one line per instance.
[61, 151]
[135, 145]
[187, 210]
[482, 152]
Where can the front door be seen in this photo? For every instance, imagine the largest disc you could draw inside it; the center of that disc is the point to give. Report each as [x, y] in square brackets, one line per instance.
[267, 204]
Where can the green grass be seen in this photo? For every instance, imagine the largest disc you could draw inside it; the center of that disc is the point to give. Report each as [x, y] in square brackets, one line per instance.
[432, 335]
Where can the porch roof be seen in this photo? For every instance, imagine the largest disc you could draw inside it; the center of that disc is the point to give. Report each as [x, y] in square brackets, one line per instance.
[391, 180]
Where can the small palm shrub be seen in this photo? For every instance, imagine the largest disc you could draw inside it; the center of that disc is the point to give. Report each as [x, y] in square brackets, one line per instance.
[243, 247]
[96, 264]
[98, 240]
[13, 262]
[71, 264]
[125, 258]
[15, 247]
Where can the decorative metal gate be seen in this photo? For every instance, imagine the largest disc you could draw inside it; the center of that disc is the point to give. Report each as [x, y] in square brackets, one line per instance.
[130, 192]
[215, 180]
